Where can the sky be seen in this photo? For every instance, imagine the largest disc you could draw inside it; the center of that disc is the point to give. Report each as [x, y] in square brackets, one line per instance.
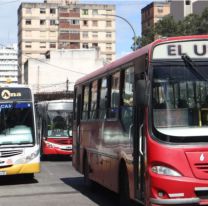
[128, 9]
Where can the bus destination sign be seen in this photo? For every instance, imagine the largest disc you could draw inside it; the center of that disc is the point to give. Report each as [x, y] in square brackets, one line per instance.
[15, 94]
[174, 50]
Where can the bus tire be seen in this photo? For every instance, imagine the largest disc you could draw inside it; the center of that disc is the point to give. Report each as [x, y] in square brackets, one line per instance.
[86, 171]
[124, 198]
[29, 176]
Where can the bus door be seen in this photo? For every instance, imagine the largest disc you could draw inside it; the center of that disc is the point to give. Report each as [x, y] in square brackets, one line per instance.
[77, 126]
[138, 147]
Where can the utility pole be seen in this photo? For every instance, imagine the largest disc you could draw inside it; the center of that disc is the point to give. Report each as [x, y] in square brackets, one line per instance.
[67, 85]
[132, 28]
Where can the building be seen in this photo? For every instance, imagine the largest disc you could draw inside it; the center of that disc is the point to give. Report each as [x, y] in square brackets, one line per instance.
[64, 24]
[60, 69]
[154, 12]
[181, 9]
[8, 64]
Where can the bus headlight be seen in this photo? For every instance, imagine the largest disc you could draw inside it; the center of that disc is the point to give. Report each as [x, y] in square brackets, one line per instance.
[161, 170]
[28, 158]
[32, 156]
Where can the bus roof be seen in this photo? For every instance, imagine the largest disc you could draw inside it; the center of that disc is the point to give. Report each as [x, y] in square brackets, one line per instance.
[13, 86]
[133, 55]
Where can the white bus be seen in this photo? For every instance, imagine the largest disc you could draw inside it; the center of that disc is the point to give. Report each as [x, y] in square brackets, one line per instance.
[19, 146]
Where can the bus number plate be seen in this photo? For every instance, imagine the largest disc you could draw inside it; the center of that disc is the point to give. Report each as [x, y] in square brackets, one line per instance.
[2, 173]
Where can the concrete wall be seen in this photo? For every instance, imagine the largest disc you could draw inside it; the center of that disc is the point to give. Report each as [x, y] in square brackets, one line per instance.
[51, 74]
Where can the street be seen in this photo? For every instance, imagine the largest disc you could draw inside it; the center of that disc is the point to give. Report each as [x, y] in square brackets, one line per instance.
[58, 184]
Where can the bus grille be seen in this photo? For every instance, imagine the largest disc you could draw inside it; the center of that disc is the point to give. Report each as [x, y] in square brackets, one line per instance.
[203, 167]
[10, 153]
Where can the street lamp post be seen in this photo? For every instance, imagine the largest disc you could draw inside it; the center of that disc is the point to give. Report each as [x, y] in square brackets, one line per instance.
[132, 28]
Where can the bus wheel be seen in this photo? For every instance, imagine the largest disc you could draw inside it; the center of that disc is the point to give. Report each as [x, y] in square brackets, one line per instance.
[29, 176]
[86, 172]
[124, 198]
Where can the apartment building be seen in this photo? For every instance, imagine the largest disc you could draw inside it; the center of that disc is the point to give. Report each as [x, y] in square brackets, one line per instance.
[8, 64]
[64, 24]
[154, 12]
[180, 9]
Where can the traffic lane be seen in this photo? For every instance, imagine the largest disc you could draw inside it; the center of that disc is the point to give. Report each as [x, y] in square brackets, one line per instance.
[57, 184]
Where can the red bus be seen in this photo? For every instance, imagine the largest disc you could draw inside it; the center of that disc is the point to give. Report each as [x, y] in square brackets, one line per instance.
[141, 124]
[55, 127]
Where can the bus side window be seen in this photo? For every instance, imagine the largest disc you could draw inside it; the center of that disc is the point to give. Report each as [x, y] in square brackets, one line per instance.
[103, 98]
[115, 96]
[93, 105]
[85, 106]
[127, 99]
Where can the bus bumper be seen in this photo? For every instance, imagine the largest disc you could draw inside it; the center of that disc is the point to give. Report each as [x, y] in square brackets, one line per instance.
[21, 169]
[56, 151]
[166, 190]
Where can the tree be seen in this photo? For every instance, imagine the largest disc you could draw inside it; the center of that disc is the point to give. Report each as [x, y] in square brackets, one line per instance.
[203, 28]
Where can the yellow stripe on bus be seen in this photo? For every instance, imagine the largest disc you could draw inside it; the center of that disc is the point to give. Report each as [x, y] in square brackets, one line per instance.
[22, 169]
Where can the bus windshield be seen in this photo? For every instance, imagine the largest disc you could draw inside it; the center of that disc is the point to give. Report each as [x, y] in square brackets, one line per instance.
[59, 124]
[180, 101]
[16, 123]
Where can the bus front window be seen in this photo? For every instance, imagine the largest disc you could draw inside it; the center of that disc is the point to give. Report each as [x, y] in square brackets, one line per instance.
[16, 123]
[180, 102]
[58, 124]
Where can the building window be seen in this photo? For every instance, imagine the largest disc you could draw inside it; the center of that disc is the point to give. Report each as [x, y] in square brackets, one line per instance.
[74, 21]
[85, 23]
[85, 34]
[53, 22]
[52, 45]
[188, 2]
[108, 23]
[85, 45]
[42, 34]
[109, 57]
[28, 11]
[42, 45]
[108, 46]
[95, 23]
[28, 45]
[95, 34]
[42, 11]
[85, 11]
[94, 12]
[160, 9]
[42, 22]
[108, 35]
[28, 22]
[94, 45]
[28, 33]
[52, 34]
[52, 10]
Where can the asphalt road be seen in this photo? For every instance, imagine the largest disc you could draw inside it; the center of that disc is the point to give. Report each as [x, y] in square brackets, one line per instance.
[58, 184]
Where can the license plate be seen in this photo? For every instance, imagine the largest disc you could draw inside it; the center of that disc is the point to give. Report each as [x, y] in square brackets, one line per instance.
[67, 147]
[2, 173]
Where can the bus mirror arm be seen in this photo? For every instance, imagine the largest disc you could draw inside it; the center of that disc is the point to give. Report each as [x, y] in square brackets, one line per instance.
[142, 92]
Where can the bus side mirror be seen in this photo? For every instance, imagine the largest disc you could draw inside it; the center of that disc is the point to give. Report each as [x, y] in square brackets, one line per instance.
[142, 92]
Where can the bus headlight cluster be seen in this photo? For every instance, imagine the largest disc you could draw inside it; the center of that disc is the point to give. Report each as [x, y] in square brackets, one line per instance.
[32, 156]
[161, 170]
[29, 157]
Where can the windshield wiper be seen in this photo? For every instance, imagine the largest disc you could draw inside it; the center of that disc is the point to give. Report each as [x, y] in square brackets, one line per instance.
[190, 64]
